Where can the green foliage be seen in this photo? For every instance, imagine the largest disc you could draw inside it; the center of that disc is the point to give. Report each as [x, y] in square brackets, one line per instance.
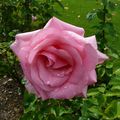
[36, 109]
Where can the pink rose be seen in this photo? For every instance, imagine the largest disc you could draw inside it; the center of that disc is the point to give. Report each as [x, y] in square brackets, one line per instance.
[58, 61]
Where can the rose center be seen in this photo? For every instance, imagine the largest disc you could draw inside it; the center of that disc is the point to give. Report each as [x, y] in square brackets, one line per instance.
[56, 65]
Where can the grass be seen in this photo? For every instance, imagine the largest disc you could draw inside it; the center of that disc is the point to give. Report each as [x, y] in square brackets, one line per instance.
[75, 13]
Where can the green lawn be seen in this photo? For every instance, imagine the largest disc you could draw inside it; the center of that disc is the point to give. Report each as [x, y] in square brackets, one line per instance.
[75, 13]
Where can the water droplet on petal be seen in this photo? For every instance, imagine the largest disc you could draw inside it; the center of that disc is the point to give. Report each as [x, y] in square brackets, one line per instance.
[62, 74]
[22, 48]
[48, 82]
[65, 87]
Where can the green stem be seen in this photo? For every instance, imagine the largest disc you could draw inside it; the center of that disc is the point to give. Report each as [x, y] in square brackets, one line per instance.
[104, 21]
[27, 14]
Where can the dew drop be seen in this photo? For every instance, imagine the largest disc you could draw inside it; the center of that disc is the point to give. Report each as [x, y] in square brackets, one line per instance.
[22, 48]
[48, 82]
[65, 87]
[62, 74]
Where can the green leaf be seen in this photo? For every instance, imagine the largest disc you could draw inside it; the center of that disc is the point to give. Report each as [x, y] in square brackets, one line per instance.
[110, 28]
[117, 72]
[100, 14]
[116, 87]
[112, 54]
[53, 112]
[101, 71]
[118, 109]
[32, 106]
[109, 65]
[62, 111]
[83, 118]
[104, 2]
[28, 116]
[101, 89]
[28, 99]
[12, 34]
[50, 117]
[93, 101]
[101, 99]
[92, 92]
[58, 1]
[109, 16]
[113, 94]
[23, 81]
[111, 110]
[115, 80]
[111, 5]
[95, 110]
[91, 15]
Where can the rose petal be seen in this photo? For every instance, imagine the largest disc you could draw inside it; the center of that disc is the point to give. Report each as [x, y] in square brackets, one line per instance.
[61, 53]
[68, 91]
[92, 40]
[36, 79]
[90, 57]
[31, 85]
[58, 24]
[54, 61]
[83, 91]
[92, 77]
[30, 88]
[27, 36]
[65, 92]
[78, 70]
[101, 57]
[21, 46]
[53, 39]
[51, 59]
[49, 77]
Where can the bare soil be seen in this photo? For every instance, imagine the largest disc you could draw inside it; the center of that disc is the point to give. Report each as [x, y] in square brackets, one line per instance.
[10, 99]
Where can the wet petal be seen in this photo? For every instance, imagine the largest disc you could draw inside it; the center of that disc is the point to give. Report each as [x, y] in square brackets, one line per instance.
[92, 77]
[101, 57]
[53, 39]
[52, 78]
[21, 46]
[91, 40]
[90, 58]
[58, 24]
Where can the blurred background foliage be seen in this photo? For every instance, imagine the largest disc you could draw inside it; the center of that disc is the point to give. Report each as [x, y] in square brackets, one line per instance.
[99, 17]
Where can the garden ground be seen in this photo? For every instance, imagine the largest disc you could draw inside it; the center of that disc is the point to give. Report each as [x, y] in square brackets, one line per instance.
[10, 100]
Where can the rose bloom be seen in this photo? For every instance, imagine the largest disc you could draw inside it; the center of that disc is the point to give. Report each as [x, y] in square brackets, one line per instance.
[58, 61]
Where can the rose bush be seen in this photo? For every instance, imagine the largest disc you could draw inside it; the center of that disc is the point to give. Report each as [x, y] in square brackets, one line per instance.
[58, 61]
